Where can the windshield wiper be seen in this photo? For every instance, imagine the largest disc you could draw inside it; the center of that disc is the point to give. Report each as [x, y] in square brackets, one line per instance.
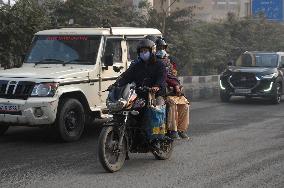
[44, 61]
[48, 60]
[74, 60]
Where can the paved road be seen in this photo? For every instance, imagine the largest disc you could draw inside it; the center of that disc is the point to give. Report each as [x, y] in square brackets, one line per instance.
[240, 144]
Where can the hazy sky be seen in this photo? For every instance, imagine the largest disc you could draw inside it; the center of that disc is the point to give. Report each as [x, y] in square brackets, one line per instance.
[12, 1]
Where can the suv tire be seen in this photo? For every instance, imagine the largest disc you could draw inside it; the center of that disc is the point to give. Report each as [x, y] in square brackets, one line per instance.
[70, 119]
[224, 96]
[3, 129]
[276, 99]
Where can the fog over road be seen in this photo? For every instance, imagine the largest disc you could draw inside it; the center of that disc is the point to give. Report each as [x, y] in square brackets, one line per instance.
[237, 144]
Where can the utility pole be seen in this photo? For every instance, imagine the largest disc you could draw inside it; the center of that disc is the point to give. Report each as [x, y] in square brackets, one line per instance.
[165, 14]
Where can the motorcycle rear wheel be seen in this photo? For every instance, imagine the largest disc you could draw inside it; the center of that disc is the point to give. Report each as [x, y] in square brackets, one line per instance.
[164, 152]
[110, 156]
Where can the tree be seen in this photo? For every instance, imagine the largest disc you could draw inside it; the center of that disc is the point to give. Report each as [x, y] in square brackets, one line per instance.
[214, 44]
[26, 17]
[95, 13]
[179, 22]
[18, 24]
[201, 48]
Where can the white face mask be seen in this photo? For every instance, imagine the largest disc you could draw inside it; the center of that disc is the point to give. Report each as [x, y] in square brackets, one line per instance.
[161, 54]
[145, 56]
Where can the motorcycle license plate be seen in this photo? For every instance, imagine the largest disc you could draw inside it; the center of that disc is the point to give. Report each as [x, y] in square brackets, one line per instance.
[242, 91]
[9, 108]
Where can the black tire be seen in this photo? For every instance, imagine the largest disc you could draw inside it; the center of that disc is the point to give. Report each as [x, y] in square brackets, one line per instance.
[108, 142]
[3, 129]
[165, 152]
[225, 97]
[276, 99]
[70, 119]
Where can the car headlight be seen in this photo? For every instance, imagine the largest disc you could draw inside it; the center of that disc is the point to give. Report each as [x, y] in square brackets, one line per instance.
[270, 76]
[44, 90]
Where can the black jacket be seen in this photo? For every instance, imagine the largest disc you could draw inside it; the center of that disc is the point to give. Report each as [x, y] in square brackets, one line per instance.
[146, 74]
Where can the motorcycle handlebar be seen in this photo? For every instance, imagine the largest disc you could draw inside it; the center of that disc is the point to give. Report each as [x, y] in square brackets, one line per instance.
[141, 88]
[144, 88]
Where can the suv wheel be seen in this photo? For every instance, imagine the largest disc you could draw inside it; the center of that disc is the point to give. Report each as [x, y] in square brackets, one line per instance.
[70, 119]
[3, 129]
[276, 99]
[224, 96]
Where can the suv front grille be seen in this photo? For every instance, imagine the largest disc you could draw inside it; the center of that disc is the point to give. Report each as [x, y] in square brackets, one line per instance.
[243, 80]
[15, 89]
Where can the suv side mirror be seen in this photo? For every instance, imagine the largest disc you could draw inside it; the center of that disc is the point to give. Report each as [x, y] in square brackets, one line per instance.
[108, 60]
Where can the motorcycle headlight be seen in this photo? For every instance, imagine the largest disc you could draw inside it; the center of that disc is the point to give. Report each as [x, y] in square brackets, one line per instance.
[44, 90]
[269, 76]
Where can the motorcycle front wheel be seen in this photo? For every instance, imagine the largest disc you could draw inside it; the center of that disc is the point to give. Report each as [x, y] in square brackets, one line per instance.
[111, 156]
[165, 150]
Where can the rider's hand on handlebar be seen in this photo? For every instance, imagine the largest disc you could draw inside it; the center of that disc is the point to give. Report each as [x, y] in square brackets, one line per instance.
[178, 90]
[155, 89]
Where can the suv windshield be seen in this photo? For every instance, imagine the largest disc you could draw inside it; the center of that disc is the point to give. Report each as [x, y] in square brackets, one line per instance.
[258, 60]
[64, 50]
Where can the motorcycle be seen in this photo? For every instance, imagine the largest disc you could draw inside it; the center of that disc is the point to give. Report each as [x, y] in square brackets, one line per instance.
[125, 132]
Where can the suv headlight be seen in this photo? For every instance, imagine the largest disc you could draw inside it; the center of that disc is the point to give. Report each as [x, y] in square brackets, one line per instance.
[44, 90]
[269, 76]
[221, 85]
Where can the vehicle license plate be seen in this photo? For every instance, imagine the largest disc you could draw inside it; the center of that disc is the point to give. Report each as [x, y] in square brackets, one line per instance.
[9, 108]
[243, 91]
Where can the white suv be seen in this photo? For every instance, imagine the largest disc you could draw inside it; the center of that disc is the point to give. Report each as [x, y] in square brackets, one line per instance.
[63, 77]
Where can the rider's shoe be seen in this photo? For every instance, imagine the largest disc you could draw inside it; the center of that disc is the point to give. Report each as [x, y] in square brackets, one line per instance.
[183, 135]
[168, 139]
[174, 135]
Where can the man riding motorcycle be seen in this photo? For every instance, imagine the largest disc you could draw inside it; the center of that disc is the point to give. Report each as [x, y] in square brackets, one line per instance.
[148, 72]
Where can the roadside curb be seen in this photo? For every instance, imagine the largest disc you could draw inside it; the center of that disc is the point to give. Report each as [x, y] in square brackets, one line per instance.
[200, 87]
